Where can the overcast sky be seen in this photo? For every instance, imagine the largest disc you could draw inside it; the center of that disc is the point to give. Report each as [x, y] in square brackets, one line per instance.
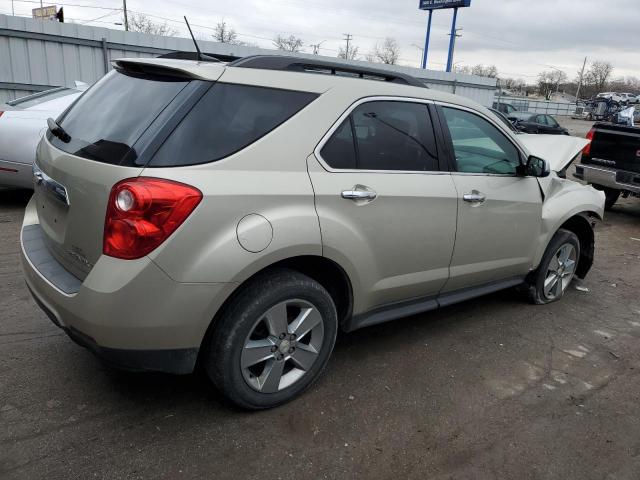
[521, 37]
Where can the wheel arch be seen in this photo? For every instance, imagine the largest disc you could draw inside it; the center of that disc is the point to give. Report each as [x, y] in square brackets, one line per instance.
[582, 226]
[321, 269]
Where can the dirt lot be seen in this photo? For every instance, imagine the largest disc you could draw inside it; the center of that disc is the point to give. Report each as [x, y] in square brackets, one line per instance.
[493, 388]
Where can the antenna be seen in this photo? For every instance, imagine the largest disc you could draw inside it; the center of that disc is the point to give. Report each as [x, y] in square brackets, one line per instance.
[200, 57]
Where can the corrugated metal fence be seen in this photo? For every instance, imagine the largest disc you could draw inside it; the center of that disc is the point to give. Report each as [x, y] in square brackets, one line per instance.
[37, 55]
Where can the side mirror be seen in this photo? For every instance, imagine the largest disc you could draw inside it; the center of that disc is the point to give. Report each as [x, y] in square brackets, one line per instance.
[535, 167]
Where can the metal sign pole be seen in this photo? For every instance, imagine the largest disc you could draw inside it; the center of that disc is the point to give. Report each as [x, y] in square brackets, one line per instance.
[452, 41]
[426, 42]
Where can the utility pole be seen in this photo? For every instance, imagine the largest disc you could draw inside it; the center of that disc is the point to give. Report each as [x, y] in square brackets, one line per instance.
[584, 65]
[126, 20]
[348, 37]
[13, 12]
[452, 46]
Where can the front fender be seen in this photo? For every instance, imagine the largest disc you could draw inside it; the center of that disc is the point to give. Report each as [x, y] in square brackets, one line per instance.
[564, 199]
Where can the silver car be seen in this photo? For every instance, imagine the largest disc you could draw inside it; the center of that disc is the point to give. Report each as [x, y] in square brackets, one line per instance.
[238, 216]
[22, 124]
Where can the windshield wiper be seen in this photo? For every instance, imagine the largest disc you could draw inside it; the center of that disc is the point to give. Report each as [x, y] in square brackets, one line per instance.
[58, 131]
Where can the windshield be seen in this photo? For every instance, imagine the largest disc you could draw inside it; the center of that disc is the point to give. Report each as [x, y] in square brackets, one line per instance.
[108, 119]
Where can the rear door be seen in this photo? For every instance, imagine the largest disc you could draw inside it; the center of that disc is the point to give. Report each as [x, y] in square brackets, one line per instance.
[107, 126]
[387, 212]
[499, 213]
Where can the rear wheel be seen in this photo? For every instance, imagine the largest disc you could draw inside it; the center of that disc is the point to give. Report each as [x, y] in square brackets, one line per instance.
[273, 340]
[611, 196]
[556, 270]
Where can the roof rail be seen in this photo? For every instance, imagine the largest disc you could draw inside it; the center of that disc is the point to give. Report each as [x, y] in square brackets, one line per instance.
[299, 64]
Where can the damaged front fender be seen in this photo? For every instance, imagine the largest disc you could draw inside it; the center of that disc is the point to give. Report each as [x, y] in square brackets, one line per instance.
[570, 205]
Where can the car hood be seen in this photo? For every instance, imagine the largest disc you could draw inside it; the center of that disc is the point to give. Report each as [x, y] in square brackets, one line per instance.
[558, 150]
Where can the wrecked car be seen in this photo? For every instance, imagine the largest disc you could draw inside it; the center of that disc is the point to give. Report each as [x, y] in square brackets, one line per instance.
[236, 216]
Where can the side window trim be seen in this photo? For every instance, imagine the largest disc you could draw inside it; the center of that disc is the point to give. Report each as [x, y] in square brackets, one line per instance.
[453, 168]
[442, 168]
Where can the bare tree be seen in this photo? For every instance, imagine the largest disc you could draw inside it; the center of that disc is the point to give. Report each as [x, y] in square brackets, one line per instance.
[388, 52]
[549, 82]
[224, 33]
[288, 44]
[350, 54]
[139, 22]
[490, 71]
[598, 75]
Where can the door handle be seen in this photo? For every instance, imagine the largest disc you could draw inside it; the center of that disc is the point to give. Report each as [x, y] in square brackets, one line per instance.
[474, 197]
[359, 192]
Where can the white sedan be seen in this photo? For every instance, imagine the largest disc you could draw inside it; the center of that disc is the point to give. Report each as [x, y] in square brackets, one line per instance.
[22, 124]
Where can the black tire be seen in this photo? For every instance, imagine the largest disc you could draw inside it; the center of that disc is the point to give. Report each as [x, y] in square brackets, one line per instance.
[224, 352]
[612, 195]
[536, 280]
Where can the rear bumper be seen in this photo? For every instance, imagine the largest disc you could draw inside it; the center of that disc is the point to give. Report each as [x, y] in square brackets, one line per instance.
[129, 313]
[608, 177]
[14, 174]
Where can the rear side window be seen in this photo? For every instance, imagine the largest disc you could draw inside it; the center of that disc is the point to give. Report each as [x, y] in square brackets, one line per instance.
[227, 119]
[384, 135]
[107, 120]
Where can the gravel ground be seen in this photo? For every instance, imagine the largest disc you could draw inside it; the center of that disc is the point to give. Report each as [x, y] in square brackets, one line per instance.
[493, 388]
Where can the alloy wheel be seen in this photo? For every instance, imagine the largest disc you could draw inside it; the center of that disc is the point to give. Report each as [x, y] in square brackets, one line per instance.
[560, 271]
[283, 346]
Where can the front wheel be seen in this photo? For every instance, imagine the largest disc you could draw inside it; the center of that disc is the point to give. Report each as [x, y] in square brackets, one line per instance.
[556, 270]
[273, 340]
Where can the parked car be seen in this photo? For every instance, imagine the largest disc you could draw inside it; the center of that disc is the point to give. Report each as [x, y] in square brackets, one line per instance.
[616, 97]
[22, 124]
[629, 98]
[529, 122]
[505, 108]
[503, 118]
[611, 162]
[238, 215]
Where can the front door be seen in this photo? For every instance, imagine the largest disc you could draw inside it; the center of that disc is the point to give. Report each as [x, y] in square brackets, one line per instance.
[499, 213]
[387, 213]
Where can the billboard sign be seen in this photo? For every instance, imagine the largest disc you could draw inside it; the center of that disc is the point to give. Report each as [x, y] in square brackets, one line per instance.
[45, 13]
[439, 4]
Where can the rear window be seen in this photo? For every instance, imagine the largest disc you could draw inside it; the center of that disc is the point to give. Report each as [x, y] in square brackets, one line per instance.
[108, 119]
[227, 119]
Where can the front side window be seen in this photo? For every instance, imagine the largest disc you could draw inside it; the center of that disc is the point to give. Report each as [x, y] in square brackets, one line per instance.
[384, 135]
[480, 147]
[228, 118]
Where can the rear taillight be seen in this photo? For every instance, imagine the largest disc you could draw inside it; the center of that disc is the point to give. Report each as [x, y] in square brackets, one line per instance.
[143, 212]
[1, 112]
[587, 149]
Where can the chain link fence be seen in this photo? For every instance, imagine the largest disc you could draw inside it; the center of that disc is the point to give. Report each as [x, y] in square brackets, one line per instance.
[524, 104]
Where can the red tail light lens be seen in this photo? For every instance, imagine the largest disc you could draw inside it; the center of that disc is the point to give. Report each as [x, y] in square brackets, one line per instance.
[143, 212]
[587, 149]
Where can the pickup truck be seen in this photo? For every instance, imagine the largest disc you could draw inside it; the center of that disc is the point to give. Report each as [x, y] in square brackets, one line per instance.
[611, 162]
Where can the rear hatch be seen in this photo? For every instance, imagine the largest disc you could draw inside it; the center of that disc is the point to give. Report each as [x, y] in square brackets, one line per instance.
[615, 146]
[111, 127]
